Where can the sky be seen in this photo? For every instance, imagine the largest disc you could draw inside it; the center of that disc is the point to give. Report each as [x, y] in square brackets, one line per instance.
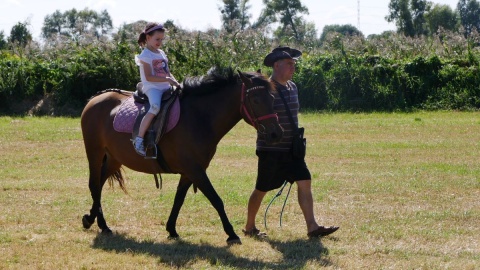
[367, 15]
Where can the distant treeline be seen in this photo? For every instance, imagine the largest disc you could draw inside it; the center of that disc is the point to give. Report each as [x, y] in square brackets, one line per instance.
[390, 72]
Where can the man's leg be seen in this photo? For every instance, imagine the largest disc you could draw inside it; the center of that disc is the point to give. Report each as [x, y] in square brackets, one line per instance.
[305, 199]
[253, 205]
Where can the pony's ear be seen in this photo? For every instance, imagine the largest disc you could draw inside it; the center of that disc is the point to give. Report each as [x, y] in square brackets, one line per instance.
[244, 78]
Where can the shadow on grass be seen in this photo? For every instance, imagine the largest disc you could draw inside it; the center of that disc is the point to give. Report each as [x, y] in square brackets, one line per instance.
[179, 253]
[298, 252]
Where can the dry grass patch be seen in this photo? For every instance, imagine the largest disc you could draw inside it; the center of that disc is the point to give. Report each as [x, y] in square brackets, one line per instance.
[403, 188]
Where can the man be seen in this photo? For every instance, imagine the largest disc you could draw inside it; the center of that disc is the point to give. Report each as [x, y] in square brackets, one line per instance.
[275, 163]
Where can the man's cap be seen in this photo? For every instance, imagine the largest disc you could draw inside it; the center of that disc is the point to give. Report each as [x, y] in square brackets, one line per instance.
[280, 53]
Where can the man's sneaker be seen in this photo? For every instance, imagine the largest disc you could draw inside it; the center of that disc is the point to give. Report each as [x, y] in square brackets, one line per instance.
[138, 145]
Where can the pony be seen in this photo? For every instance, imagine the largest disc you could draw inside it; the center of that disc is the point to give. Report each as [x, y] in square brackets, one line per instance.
[210, 106]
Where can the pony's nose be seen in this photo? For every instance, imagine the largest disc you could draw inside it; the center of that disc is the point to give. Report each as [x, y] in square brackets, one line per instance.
[273, 134]
[274, 139]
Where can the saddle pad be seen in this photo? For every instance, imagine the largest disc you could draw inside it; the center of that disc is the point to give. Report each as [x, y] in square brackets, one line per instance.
[125, 118]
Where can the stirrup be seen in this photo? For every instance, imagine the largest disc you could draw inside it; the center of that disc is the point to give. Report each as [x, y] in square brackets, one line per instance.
[151, 146]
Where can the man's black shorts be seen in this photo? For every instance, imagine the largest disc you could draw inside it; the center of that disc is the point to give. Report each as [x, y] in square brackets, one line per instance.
[276, 167]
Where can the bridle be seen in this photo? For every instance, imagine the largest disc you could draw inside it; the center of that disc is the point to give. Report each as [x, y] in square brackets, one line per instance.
[245, 102]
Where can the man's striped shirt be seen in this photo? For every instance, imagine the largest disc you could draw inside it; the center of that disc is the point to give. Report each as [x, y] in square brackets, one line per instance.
[290, 93]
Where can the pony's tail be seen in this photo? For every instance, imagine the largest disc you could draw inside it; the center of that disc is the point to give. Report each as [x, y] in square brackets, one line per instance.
[119, 178]
[116, 176]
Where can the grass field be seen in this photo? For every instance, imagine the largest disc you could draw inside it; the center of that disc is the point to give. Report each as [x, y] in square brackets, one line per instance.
[404, 189]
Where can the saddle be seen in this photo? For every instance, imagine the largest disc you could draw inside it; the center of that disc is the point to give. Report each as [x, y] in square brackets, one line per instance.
[134, 108]
[158, 127]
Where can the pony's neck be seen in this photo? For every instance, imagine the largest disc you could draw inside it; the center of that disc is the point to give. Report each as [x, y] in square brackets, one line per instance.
[228, 113]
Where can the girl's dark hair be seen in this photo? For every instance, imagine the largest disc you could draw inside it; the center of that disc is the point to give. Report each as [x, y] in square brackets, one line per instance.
[142, 38]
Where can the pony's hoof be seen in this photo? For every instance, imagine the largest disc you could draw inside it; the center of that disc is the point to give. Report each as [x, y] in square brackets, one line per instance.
[173, 237]
[86, 224]
[172, 234]
[107, 231]
[234, 241]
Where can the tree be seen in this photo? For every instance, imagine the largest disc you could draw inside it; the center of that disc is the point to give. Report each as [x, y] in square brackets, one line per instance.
[384, 35]
[170, 25]
[469, 11]
[408, 15]
[419, 8]
[73, 23]
[103, 23]
[441, 16]
[400, 14]
[344, 30]
[84, 22]
[244, 15]
[306, 31]
[287, 13]
[235, 14]
[20, 35]
[53, 24]
[129, 32]
[3, 42]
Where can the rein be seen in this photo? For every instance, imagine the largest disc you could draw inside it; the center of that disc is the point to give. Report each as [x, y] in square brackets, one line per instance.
[254, 121]
[284, 203]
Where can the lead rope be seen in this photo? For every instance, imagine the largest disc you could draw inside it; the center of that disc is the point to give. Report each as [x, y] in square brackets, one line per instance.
[284, 203]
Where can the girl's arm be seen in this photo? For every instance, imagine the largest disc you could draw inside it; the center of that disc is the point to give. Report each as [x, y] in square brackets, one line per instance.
[152, 78]
[171, 76]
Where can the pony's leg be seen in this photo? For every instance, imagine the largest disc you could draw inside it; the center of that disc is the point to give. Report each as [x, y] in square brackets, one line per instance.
[183, 186]
[98, 177]
[207, 189]
[95, 161]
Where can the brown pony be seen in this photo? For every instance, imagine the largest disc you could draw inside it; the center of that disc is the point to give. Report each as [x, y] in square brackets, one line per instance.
[211, 105]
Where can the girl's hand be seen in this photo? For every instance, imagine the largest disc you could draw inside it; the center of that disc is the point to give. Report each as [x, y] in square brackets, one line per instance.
[173, 82]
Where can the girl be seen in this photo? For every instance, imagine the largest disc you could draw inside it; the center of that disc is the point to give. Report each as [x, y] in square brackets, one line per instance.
[155, 76]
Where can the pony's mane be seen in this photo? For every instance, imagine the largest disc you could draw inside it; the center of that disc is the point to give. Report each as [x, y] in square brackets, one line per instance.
[219, 78]
[261, 80]
[216, 78]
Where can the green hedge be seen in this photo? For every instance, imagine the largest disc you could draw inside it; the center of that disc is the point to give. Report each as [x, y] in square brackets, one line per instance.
[392, 73]
[70, 76]
[374, 83]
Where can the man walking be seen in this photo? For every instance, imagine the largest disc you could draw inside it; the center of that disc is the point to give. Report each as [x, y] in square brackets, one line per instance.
[275, 162]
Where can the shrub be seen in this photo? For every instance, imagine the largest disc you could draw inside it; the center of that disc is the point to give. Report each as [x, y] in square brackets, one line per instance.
[347, 73]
